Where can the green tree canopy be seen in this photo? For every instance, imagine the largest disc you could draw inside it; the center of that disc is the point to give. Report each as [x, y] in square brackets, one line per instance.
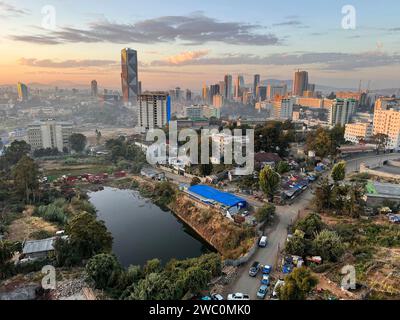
[104, 270]
[298, 285]
[329, 245]
[339, 171]
[88, 236]
[266, 213]
[269, 181]
[77, 142]
[25, 175]
[310, 225]
[16, 151]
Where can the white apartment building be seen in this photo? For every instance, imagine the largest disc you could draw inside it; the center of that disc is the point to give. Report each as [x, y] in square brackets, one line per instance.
[154, 110]
[283, 108]
[354, 132]
[225, 143]
[388, 122]
[49, 134]
[202, 111]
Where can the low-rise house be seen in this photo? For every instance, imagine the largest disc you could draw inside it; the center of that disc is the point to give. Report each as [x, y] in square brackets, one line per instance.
[261, 159]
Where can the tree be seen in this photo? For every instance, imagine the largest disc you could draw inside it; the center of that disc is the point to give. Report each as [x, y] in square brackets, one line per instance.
[322, 198]
[297, 285]
[310, 225]
[156, 286]
[98, 136]
[196, 279]
[321, 141]
[77, 142]
[266, 213]
[88, 236]
[152, 266]
[282, 167]
[269, 181]
[104, 270]
[7, 250]
[1, 144]
[329, 245]
[337, 134]
[25, 175]
[296, 246]
[195, 181]
[339, 171]
[16, 151]
[381, 141]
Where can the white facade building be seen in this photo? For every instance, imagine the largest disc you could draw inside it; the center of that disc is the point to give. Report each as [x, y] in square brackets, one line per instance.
[49, 134]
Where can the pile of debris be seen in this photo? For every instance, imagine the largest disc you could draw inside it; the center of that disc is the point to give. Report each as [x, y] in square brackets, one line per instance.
[70, 290]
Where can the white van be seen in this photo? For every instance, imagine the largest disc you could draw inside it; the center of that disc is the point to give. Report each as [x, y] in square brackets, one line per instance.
[263, 242]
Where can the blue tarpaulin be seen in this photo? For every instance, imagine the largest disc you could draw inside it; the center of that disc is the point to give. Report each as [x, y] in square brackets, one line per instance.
[225, 198]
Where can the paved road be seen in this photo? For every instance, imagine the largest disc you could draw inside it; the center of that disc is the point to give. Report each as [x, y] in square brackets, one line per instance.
[277, 234]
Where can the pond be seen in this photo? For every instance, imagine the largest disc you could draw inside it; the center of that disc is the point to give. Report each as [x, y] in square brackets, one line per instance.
[142, 231]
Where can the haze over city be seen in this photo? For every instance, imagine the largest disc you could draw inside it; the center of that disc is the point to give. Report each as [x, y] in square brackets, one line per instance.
[185, 44]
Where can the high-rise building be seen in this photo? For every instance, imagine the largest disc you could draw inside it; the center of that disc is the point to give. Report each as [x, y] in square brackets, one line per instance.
[239, 87]
[218, 100]
[341, 111]
[188, 95]
[214, 89]
[261, 93]
[129, 75]
[256, 83]
[205, 94]
[387, 121]
[154, 110]
[283, 108]
[140, 87]
[228, 87]
[22, 91]
[276, 90]
[300, 83]
[49, 134]
[93, 88]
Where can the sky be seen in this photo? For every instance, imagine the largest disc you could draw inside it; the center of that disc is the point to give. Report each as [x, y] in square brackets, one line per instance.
[189, 43]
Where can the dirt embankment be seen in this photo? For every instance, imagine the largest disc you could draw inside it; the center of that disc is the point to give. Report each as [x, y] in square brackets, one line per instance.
[229, 239]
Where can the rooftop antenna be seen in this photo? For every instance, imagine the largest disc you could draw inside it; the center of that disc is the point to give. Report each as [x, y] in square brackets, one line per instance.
[359, 86]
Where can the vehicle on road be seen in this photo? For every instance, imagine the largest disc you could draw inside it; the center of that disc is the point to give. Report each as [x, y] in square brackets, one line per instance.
[263, 242]
[254, 269]
[265, 280]
[217, 297]
[262, 292]
[266, 269]
[238, 296]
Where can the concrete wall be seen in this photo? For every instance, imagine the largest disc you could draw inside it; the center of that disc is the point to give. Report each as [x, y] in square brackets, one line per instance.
[365, 169]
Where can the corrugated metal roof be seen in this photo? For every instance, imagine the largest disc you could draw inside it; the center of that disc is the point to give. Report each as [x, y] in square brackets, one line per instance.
[224, 198]
[35, 246]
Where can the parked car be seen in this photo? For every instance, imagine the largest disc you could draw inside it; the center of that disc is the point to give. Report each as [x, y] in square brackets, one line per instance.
[217, 297]
[262, 292]
[238, 296]
[265, 280]
[263, 242]
[266, 269]
[254, 269]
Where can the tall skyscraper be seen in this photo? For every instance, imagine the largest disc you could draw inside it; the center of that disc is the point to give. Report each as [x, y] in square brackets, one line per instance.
[341, 111]
[239, 86]
[129, 75]
[300, 83]
[261, 93]
[22, 91]
[205, 94]
[228, 87]
[255, 85]
[93, 88]
[154, 110]
[188, 95]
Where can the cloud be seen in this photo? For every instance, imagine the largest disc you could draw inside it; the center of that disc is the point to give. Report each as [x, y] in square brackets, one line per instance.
[332, 61]
[181, 59]
[9, 10]
[48, 63]
[194, 29]
[289, 23]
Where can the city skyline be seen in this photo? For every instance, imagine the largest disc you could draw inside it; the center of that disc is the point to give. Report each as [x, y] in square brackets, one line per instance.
[185, 44]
